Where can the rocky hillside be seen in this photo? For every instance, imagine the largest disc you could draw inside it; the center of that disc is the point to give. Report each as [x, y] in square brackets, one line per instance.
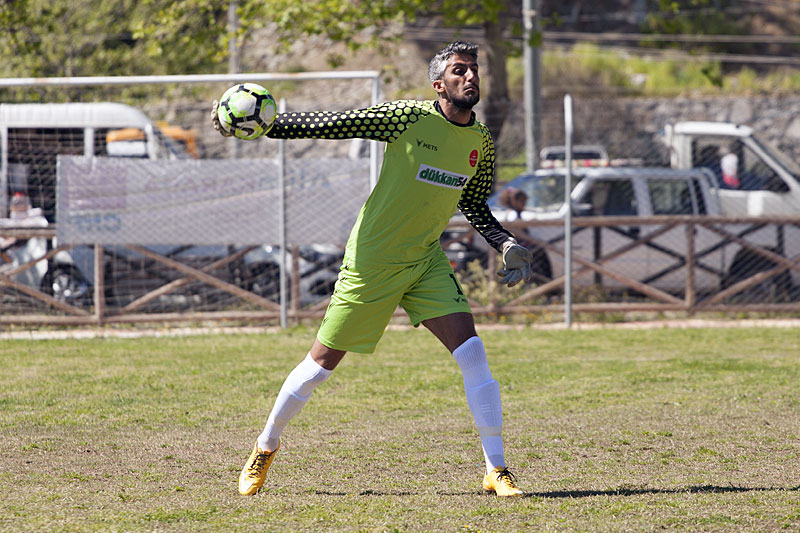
[625, 125]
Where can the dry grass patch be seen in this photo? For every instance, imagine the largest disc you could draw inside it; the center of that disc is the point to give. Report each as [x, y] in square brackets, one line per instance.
[607, 430]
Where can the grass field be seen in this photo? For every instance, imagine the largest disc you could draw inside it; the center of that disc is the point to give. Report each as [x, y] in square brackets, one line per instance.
[607, 430]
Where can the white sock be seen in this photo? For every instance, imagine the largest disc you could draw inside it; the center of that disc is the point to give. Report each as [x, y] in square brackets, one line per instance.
[294, 394]
[483, 398]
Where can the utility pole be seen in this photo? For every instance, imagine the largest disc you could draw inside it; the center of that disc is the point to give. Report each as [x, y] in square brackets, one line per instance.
[234, 65]
[233, 27]
[531, 23]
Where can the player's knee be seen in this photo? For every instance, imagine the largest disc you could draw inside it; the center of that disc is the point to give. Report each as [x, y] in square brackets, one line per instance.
[307, 375]
[471, 359]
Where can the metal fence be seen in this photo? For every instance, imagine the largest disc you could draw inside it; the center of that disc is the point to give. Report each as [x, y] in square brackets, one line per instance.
[130, 239]
[683, 263]
[663, 264]
[177, 237]
[107, 212]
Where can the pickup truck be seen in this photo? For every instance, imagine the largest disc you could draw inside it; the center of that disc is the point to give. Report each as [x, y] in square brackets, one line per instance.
[765, 181]
[641, 192]
[583, 155]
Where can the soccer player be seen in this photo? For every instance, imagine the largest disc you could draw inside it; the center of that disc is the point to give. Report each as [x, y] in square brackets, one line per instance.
[437, 158]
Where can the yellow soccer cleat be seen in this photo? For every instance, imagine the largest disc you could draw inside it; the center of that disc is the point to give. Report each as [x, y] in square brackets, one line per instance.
[255, 470]
[501, 482]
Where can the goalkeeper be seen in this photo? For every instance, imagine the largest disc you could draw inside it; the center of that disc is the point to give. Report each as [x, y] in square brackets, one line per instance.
[437, 158]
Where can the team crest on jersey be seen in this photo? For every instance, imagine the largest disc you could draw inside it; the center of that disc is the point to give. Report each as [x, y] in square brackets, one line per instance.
[473, 158]
[442, 178]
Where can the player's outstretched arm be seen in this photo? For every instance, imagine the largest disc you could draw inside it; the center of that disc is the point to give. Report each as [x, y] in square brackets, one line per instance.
[382, 122]
[516, 258]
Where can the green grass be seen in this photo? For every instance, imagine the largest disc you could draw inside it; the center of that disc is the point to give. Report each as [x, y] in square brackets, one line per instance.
[607, 430]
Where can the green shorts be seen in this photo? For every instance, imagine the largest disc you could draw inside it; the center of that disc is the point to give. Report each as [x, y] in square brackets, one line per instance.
[363, 302]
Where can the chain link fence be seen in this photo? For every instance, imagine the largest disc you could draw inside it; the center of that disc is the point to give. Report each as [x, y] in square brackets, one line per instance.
[178, 224]
[663, 221]
[108, 215]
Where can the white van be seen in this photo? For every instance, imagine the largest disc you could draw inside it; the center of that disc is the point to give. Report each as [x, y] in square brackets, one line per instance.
[31, 138]
[33, 135]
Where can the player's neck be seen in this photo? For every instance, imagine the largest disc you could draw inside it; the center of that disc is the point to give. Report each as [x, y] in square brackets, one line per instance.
[457, 115]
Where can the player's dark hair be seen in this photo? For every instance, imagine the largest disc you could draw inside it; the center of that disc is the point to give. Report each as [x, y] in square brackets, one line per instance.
[439, 62]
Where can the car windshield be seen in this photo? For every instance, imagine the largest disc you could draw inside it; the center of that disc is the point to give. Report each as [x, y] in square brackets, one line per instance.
[782, 158]
[545, 192]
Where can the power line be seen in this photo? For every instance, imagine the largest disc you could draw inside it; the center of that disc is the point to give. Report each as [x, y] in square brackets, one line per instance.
[553, 39]
[475, 33]
[722, 58]
[682, 38]
[683, 12]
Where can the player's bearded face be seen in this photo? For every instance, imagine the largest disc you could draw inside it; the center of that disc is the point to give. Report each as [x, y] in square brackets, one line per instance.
[464, 97]
[461, 82]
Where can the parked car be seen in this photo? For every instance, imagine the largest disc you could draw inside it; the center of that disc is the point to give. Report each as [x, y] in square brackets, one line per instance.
[318, 267]
[34, 134]
[635, 192]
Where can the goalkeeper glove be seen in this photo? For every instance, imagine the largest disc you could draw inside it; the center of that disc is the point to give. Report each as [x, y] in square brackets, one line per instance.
[215, 121]
[516, 264]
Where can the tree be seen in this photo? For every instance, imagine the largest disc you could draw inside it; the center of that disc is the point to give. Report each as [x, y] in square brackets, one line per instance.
[357, 24]
[46, 38]
[53, 38]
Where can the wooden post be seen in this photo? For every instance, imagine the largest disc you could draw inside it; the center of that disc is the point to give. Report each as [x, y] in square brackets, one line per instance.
[491, 266]
[295, 280]
[99, 285]
[691, 295]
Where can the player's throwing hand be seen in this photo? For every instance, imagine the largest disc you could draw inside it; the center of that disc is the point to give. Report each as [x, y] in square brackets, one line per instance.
[215, 120]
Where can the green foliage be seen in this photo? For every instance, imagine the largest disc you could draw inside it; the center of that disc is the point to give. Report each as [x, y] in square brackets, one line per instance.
[71, 38]
[694, 17]
[191, 36]
[691, 17]
[594, 69]
[45, 38]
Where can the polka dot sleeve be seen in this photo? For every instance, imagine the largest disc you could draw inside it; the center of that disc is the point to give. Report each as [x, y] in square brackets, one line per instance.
[473, 199]
[383, 122]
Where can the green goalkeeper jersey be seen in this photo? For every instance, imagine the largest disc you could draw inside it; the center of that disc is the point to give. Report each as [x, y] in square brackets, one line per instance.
[431, 166]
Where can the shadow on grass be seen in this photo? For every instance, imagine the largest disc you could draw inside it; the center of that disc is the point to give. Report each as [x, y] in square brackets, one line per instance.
[698, 489]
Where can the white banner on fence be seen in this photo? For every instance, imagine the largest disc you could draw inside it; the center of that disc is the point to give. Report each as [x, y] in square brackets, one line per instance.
[107, 200]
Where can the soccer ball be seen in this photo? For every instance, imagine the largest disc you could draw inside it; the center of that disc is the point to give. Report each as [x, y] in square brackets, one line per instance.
[247, 110]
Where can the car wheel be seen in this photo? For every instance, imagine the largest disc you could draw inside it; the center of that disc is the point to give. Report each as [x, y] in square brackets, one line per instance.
[542, 271]
[65, 283]
[747, 264]
[264, 280]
